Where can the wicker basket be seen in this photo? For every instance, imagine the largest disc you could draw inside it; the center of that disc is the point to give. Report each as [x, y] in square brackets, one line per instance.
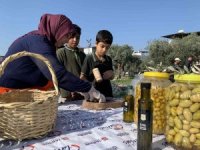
[27, 113]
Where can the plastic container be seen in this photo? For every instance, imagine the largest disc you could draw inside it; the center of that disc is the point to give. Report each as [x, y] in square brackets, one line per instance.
[159, 81]
[183, 112]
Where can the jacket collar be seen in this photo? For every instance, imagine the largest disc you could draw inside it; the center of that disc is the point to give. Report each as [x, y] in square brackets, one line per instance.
[71, 49]
[95, 58]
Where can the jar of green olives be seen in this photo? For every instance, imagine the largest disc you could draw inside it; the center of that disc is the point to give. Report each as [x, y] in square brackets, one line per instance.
[183, 112]
[159, 81]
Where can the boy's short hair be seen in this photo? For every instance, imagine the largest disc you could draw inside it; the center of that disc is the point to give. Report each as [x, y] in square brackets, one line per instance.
[76, 31]
[104, 36]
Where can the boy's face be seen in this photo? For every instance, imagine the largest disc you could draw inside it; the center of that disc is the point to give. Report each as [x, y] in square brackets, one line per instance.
[102, 48]
[73, 41]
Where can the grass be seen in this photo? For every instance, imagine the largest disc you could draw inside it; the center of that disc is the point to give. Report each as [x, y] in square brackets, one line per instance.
[119, 86]
[124, 81]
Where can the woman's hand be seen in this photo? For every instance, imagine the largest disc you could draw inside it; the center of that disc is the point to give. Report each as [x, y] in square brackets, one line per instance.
[93, 95]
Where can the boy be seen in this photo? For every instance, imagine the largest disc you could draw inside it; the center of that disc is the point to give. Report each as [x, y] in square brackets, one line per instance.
[72, 58]
[103, 62]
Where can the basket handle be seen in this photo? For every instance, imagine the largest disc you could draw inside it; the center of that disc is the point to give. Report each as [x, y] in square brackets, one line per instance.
[38, 56]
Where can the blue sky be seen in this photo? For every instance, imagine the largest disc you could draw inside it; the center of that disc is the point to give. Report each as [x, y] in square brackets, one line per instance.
[132, 22]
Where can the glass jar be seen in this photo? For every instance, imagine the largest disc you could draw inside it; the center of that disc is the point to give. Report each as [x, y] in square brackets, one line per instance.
[159, 81]
[183, 112]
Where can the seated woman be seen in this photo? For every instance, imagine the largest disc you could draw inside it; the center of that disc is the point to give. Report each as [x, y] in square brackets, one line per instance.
[27, 72]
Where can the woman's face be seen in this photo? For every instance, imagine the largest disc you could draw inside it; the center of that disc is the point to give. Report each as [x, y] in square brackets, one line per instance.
[61, 42]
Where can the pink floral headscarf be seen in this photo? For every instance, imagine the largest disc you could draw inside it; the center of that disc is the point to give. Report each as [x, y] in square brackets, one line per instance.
[54, 26]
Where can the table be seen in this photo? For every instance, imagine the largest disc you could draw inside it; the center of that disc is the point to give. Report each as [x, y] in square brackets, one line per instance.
[82, 129]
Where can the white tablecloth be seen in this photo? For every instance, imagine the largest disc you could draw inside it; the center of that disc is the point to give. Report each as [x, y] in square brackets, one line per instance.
[82, 129]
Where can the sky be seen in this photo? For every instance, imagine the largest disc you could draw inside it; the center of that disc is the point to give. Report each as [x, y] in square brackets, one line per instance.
[132, 22]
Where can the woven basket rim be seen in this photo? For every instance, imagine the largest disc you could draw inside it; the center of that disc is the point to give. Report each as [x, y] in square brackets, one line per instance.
[28, 113]
[38, 56]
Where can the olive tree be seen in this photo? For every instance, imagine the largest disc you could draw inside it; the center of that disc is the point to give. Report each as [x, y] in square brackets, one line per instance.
[165, 52]
[123, 60]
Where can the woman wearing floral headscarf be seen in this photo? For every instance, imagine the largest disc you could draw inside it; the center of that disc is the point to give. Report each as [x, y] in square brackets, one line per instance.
[27, 72]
